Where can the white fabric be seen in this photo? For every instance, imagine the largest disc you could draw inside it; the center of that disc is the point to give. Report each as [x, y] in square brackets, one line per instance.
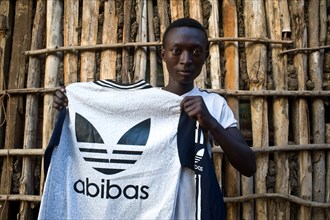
[153, 179]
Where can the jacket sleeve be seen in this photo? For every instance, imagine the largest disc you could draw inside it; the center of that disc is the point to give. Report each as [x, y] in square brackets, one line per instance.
[54, 140]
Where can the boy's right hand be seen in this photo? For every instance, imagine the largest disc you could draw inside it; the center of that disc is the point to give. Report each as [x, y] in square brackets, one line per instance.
[60, 99]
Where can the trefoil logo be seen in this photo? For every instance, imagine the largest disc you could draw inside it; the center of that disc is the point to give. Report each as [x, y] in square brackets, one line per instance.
[198, 157]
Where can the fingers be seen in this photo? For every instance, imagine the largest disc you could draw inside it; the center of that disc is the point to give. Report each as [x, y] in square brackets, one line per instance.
[192, 102]
[193, 106]
[186, 102]
[196, 109]
[60, 99]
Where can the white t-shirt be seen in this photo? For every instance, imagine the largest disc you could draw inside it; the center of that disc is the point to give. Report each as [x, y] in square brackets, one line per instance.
[218, 108]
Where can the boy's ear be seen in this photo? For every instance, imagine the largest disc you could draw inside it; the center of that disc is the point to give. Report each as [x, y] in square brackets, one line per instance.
[162, 53]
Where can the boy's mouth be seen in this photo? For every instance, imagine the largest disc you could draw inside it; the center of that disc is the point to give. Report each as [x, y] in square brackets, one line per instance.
[184, 72]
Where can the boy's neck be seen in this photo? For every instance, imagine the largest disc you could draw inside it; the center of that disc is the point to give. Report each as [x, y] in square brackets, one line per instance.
[178, 90]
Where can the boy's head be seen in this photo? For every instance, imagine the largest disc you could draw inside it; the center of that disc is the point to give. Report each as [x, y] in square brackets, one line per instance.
[185, 22]
[184, 50]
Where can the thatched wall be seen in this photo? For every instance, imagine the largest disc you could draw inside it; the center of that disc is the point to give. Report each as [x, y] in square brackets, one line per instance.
[270, 59]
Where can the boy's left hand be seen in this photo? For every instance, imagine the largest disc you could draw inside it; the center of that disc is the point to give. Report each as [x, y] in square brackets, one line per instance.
[196, 109]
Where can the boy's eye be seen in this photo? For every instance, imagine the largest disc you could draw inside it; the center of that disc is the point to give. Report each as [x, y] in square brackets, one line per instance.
[175, 51]
[197, 51]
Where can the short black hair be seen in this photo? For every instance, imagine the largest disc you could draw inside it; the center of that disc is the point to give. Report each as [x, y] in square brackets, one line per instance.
[185, 22]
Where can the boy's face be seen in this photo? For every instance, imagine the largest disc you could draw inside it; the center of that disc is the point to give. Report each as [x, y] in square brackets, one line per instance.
[185, 51]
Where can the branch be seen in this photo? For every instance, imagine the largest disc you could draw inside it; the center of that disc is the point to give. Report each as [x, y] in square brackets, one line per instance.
[294, 199]
[74, 49]
[22, 152]
[250, 39]
[306, 93]
[271, 149]
[290, 198]
[304, 49]
[28, 91]
[28, 198]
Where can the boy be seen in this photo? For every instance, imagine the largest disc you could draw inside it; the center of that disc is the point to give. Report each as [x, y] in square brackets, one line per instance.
[184, 50]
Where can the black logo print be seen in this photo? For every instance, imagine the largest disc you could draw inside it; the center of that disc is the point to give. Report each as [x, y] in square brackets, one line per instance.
[120, 158]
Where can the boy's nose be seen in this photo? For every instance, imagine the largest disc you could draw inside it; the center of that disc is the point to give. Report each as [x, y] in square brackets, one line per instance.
[185, 58]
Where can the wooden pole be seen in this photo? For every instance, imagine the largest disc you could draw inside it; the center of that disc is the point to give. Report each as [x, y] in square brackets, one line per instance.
[14, 114]
[268, 150]
[31, 114]
[176, 9]
[290, 198]
[230, 29]
[22, 152]
[164, 23]
[283, 209]
[215, 60]
[152, 50]
[256, 60]
[215, 72]
[318, 114]
[90, 16]
[110, 26]
[326, 64]
[324, 27]
[54, 14]
[70, 38]
[195, 11]
[224, 92]
[6, 23]
[327, 195]
[323, 23]
[73, 49]
[300, 107]
[326, 68]
[140, 60]
[285, 16]
[280, 111]
[125, 75]
[218, 150]
[215, 75]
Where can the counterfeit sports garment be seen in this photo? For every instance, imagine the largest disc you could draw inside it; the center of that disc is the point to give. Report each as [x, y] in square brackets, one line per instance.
[120, 153]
